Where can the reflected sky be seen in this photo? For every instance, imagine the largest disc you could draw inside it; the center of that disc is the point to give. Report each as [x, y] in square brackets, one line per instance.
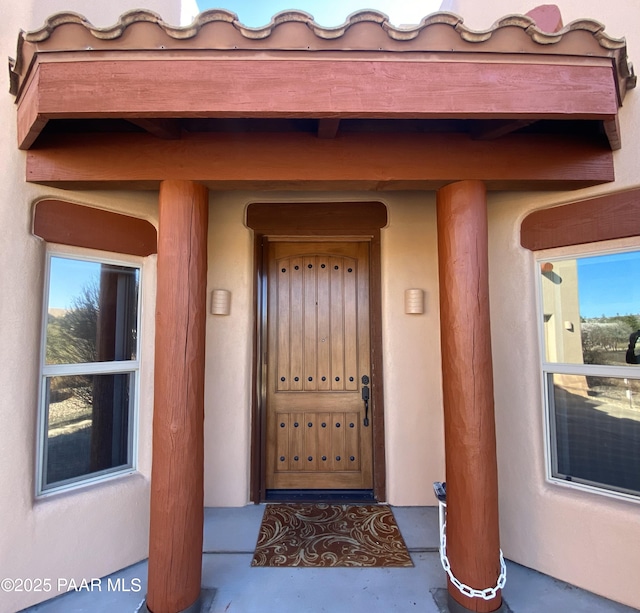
[68, 279]
[608, 284]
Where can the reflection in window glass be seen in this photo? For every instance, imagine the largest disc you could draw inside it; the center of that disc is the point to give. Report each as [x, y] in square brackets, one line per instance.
[591, 309]
[87, 425]
[92, 312]
[591, 315]
[597, 430]
[89, 371]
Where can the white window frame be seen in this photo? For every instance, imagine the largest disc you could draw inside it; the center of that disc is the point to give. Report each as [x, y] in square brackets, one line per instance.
[131, 367]
[551, 368]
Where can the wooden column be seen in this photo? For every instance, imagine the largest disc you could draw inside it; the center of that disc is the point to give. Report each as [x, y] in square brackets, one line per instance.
[177, 500]
[470, 442]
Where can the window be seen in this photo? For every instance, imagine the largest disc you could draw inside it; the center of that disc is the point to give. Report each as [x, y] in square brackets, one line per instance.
[591, 370]
[89, 370]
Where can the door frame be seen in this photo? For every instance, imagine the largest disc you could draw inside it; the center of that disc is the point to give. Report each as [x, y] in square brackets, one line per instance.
[326, 220]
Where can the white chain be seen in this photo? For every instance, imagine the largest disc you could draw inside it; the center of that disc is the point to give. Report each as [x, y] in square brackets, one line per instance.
[487, 594]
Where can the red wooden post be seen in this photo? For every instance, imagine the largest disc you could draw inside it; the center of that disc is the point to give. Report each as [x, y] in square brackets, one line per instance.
[177, 499]
[473, 542]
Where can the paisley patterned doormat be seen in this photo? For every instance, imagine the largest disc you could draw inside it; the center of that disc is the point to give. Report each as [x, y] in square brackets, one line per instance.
[330, 535]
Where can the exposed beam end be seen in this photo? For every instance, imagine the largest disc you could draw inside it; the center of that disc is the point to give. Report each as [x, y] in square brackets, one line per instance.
[27, 136]
[612, 130]
[490, 130]
[328, 128]
[167, 129]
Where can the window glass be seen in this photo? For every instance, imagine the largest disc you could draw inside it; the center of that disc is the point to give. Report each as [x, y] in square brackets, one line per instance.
[591, 309]
[597, 430]
[591, 324]
[89, 371]
[87, 425]
[92, 312]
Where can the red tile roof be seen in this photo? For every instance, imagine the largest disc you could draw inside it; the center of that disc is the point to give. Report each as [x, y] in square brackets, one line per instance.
[295, 31]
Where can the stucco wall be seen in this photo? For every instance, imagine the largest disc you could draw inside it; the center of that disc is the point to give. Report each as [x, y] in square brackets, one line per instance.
[229, 355]
[413, 399]
[90, 531]
[413, 384]
[617, 15]
[589, 540]
[100, 14]
[96, 530]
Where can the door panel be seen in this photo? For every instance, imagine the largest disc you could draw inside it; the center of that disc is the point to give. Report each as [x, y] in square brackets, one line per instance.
[318, 352]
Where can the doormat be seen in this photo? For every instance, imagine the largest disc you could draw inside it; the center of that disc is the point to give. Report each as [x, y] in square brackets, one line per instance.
[330, 535]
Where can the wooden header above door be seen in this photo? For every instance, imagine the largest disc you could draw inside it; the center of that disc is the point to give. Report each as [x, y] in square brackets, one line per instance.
[317, 219]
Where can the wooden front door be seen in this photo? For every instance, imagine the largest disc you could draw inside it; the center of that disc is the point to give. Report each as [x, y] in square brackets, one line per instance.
[318, 434]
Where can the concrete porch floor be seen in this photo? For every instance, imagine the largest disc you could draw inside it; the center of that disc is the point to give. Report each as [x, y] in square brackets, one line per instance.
[230, 536]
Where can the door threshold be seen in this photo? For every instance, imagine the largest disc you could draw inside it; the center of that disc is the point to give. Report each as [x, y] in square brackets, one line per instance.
[329, 496]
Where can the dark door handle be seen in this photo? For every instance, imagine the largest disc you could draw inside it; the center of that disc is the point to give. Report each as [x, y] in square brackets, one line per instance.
[365, 397]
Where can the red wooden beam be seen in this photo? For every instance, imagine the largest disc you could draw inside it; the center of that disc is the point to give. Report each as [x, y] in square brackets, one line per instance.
[130, 88]
[598, 219]
[305, 219]
[30, 121]
[297, 160]
[57, 221]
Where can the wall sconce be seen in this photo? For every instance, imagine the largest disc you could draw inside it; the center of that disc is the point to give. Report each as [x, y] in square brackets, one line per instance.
[414, 301]
[220, 302]
[568, 326]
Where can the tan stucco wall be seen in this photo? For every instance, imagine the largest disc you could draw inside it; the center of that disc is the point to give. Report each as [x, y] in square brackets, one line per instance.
[100, 528]
[589, 540]
[413, 414]
[411, 345]
[100, 14]
[619, 16]
[586, 539]
[96, 530]
[229, 353]
[87, 532]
